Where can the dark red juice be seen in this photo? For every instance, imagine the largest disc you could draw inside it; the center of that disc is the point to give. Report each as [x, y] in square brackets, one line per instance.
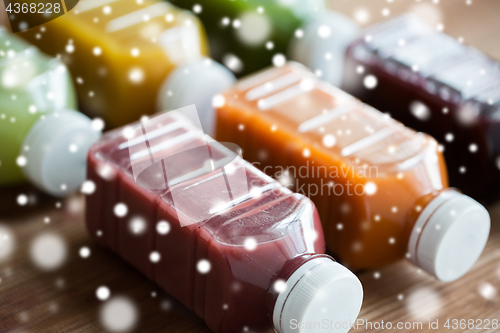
[239, 259]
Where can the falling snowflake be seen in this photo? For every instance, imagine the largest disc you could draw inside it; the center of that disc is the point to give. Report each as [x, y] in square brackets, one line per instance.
[21, 161]
[250, 244]
[218, 101]
[137, 225]
[254, 28]
[370, 81]
[103, 293]
[48, 251]
[203, 266]
[119, 314]
[329, 140]
[424, 303]
[279, 60]
[97, 124]
[120, 209]
[84, 252]
[197, 8]
[6, 242]
[487, 291]
[22, 199]
[362, 15]
[233, 62]
[279, 286]
[370, 188]
[154, 257]
[136, 75]
[163, 227]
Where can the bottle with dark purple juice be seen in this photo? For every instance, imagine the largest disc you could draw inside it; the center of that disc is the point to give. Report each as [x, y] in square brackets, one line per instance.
[435, 84]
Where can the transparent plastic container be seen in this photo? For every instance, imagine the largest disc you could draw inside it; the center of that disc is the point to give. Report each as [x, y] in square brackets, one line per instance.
[372, 179]
[244, 253]
[433, 83]
[38, 123]
[120, 52]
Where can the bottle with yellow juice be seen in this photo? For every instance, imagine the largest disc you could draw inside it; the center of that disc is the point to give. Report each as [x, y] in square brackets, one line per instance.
[120, 51]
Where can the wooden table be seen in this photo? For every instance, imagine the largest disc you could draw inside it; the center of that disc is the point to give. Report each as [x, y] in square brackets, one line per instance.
[65, 300]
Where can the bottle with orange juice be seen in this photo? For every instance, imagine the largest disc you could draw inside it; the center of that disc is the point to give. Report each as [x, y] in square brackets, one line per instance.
[381, 189]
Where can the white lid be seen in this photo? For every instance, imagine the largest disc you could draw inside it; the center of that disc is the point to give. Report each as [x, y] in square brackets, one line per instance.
[56, 151]
[321, 289]
[449, 235]
[324, 43]
[196, 83]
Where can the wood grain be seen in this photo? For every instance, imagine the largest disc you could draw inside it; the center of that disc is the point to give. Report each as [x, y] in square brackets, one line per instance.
[64, 301]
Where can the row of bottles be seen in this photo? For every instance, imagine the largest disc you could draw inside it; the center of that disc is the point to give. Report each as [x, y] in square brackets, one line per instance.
[246, 251]
[143, 44]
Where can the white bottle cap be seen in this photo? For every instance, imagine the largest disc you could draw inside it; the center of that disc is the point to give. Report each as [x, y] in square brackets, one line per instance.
[449, 235]
[319, 290]
[196, 83]
[323, 44]
[56, 151]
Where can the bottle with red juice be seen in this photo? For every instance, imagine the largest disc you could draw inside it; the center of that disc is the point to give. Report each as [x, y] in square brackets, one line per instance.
[227, 241]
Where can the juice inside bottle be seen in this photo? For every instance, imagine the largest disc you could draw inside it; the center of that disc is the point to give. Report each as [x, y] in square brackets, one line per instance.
[230, 248]
[119, 52]
[365, 172]
[433, 83]
[36, 98]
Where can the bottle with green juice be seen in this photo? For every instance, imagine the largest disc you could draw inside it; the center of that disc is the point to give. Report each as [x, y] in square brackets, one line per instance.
[249, 35]
[246, 35]
[42, 138]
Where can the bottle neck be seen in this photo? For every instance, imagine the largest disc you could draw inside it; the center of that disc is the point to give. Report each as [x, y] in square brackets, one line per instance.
[449, 234]
[290, 267]
[418, 208]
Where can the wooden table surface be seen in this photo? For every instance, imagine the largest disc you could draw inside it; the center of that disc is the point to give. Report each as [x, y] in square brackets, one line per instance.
[32, 300]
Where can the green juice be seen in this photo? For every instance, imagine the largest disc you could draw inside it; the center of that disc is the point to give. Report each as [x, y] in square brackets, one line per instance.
[31, 86]
[246, 35]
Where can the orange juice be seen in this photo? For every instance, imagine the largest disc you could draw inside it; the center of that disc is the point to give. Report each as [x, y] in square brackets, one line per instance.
[120, 51]
[380, 188]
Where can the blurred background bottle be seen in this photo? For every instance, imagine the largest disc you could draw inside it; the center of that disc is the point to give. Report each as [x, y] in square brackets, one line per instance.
[45, 140]
[427, 80]
[249, 35]
[119, 52]
[435, 84]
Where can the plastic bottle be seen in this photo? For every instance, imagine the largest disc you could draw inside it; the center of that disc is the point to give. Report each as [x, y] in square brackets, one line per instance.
[44, 140]
[425, 79]
[247, 262]
[120, 52]
[381, 189]
[435, 84]
[246, 35]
